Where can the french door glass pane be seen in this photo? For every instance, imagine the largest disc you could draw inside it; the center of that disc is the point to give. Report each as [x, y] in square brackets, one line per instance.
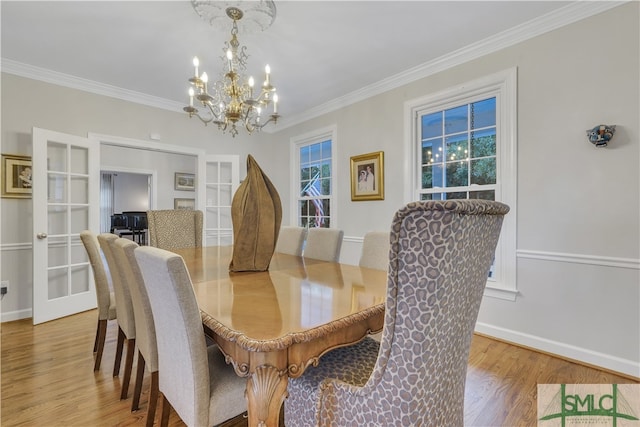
[57, 220]
[58, 283]
[79, 279]
[79, 219]
[57, 188]
[79, 160]
[57, 251]
[56, 157]
[79, 189]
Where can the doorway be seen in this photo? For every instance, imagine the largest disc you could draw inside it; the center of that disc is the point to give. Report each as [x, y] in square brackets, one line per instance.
[124, 192]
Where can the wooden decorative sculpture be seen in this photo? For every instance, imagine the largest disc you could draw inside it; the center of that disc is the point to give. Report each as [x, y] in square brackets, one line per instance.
[256, 213]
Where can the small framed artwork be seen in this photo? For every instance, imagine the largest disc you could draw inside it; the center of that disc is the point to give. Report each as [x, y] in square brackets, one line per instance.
[367, 176]
[185, 181]
[16, 176]
[186, 204]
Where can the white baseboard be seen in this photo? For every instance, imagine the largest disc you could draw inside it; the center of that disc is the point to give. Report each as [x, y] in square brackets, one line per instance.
[16, 315]
[605, 361]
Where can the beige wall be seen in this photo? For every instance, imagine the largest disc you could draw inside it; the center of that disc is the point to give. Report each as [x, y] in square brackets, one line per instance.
[578, 207]
[577, 211]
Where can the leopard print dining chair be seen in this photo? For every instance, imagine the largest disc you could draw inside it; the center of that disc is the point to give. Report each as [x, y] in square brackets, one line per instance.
[440, 256]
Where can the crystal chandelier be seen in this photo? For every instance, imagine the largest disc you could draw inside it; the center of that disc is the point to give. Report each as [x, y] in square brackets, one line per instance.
[232, 100]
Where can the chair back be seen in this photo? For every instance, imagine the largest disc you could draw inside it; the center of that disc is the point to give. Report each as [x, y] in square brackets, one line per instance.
[441, 253]
[323, 244]
[175, 228]
[291, 240]
[375, 250]
[124, 306]
[123, 251]
[184, 374]
[91, 245]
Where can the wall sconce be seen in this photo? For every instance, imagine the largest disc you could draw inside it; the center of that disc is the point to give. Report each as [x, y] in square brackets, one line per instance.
[601, 135]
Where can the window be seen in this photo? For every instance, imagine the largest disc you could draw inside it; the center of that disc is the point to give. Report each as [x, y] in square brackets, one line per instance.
[458, 152]
[463, 145]
[313, 181]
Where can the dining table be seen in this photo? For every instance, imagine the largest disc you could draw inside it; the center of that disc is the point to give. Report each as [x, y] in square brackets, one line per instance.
[273, 325]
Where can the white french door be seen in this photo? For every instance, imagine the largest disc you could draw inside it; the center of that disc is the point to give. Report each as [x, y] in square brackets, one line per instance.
[222, 181]
[66, 191]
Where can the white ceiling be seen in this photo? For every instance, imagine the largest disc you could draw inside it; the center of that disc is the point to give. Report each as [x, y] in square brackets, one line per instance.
[319, 51]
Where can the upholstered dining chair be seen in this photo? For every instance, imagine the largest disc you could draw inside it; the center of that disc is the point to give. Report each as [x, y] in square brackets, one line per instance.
[175, 229]
[124, 308]
[375, 250]
[291, 240]
[441, 252]
[123, 251]
[106, 299]
[323, 244]
[194, 378]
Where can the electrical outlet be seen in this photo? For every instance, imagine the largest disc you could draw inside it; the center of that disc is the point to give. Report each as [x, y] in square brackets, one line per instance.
[4, 287]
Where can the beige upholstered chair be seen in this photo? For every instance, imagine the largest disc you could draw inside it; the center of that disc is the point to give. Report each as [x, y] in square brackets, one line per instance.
[145, 328]
[124, 307]
[106, 298]
[324, 244]
[175, 229]
[441, 252]
[194, 379]
[375, 250]
[291, 240]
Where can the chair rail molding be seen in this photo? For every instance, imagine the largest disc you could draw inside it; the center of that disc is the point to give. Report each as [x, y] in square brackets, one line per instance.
[605, 261]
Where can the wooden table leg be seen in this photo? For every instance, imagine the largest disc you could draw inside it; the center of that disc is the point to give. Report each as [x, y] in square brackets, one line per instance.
[266, 391]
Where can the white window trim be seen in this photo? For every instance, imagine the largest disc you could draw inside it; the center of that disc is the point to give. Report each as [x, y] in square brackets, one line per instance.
[503, 85]
[318, 135]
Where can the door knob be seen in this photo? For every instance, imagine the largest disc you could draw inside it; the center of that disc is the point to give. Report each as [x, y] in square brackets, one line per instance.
[41, 235]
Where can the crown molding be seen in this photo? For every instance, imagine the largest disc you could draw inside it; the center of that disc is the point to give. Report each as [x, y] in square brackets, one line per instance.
[559, 18]
[564, 16]
[48, 76]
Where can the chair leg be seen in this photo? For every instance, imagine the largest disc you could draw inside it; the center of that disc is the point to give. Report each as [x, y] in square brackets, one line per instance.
[116, 363]
[137, 390]
[95, 343]
[166, 409]
[101, 335]
[153, 399]
[128, 365]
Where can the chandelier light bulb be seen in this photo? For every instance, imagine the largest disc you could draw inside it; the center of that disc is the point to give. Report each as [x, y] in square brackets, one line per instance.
[191, 93]
[204, 77]
[251, 82]
[275, 103]
[196, 63]
[230, 58]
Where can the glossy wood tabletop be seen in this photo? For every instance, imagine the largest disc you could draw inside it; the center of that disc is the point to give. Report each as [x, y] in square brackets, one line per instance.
[274, 324]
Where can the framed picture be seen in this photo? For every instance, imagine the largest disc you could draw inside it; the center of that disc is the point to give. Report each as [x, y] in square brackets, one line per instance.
[367, 176]
[16, 176]
[185, 181]
[186, 204]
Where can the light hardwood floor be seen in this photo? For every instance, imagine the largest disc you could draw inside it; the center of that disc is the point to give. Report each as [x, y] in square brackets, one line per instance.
[48, 379]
